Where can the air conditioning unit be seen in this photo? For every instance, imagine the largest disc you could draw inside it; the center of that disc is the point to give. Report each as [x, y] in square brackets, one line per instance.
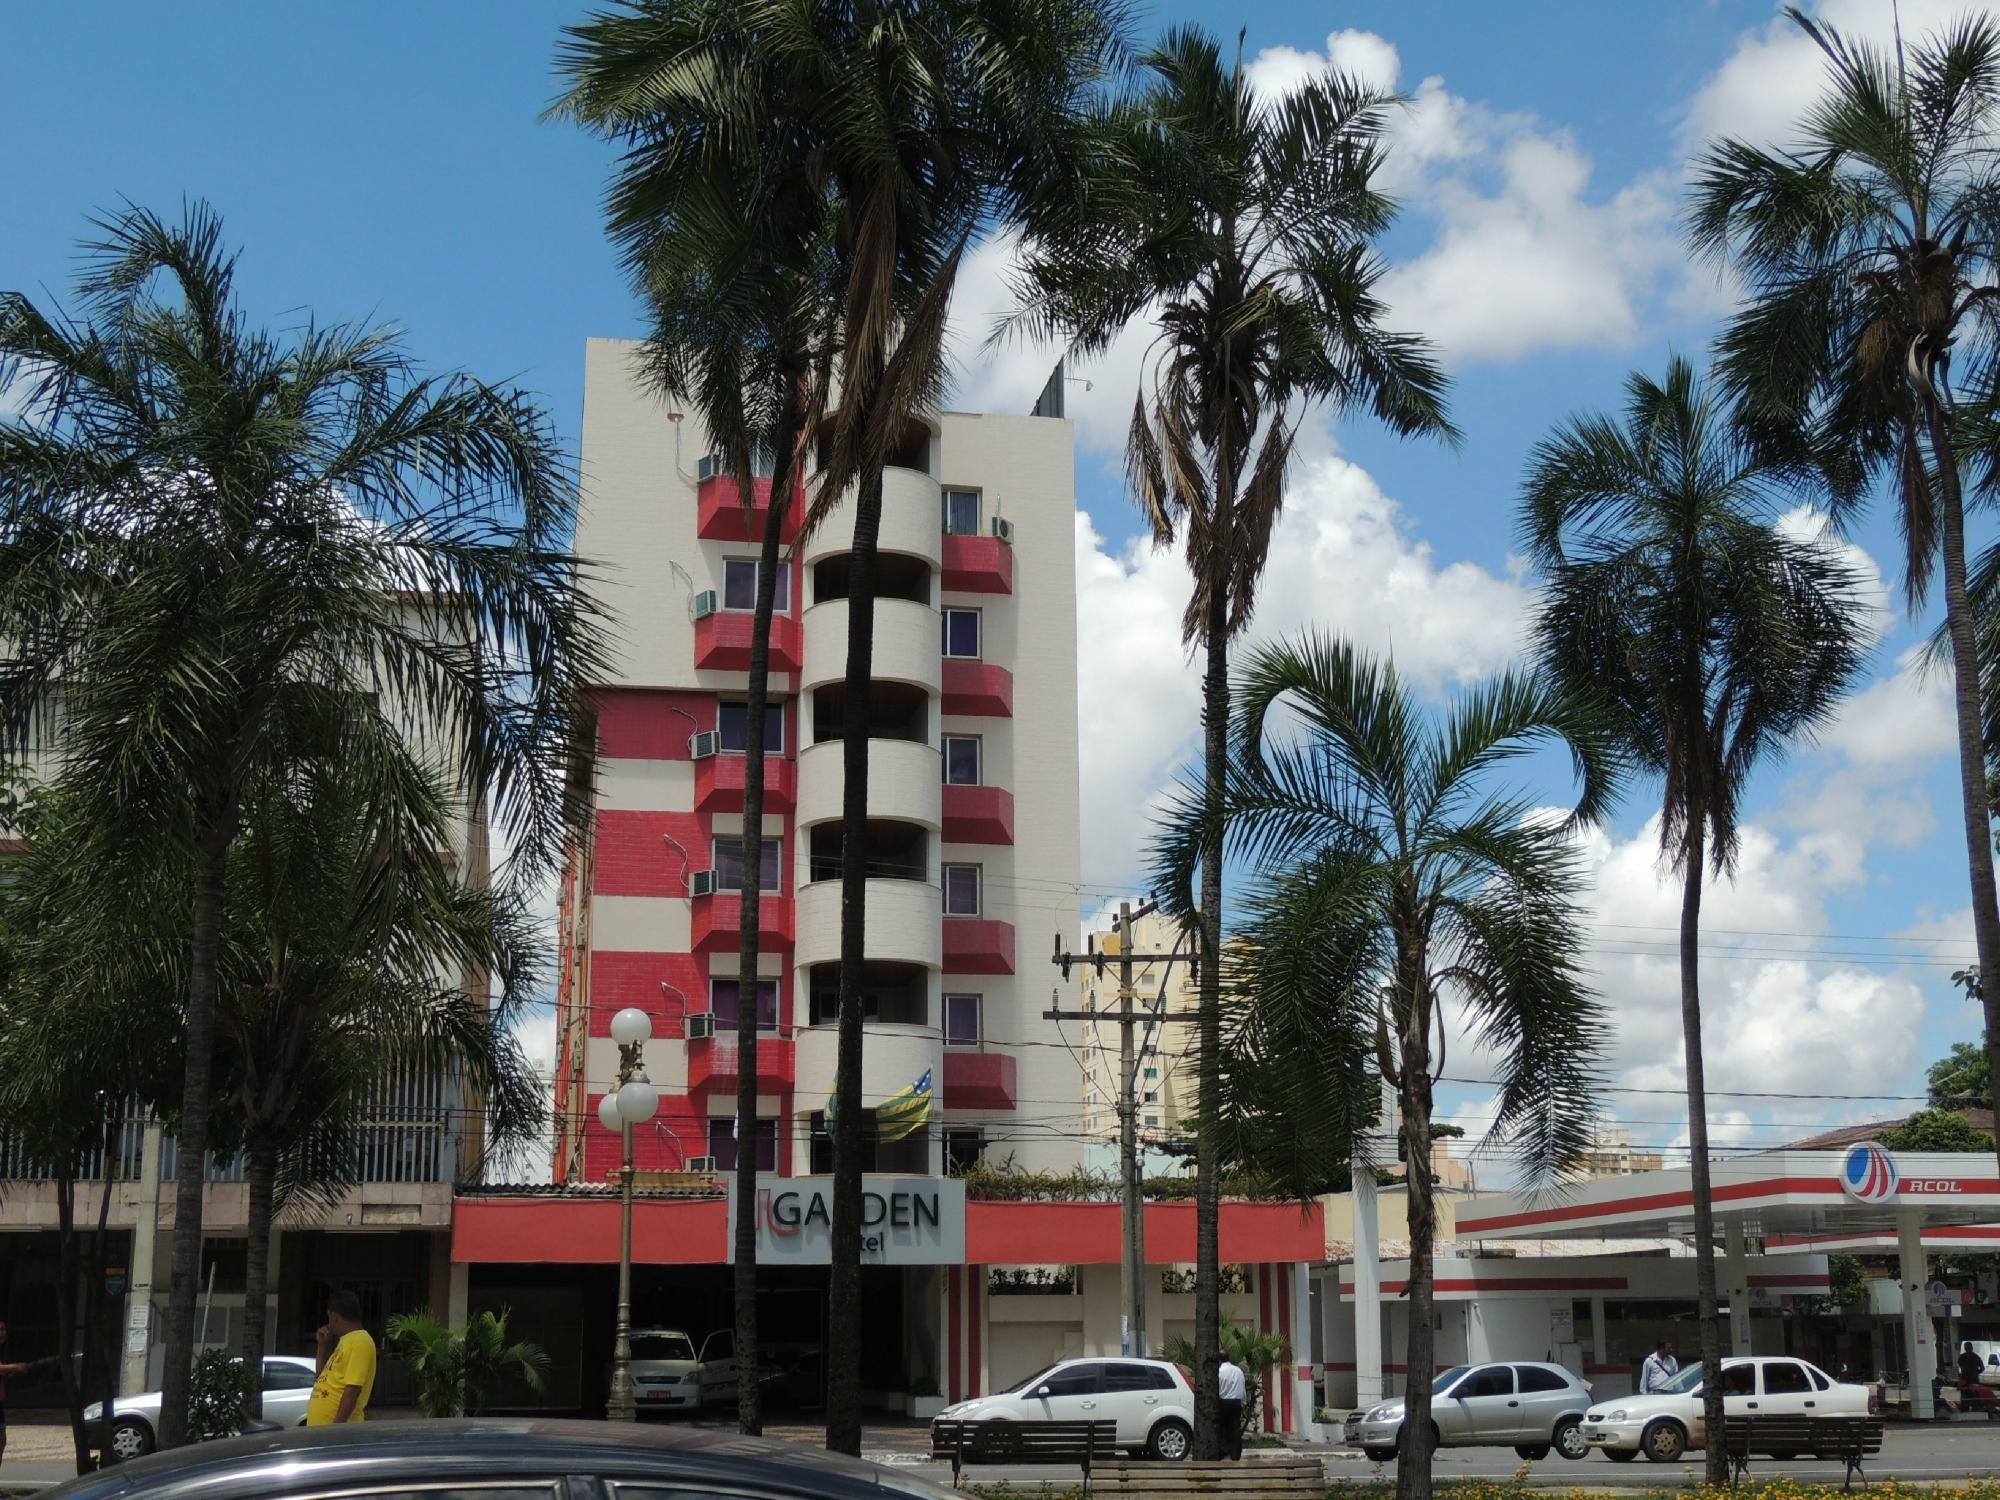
[700, 1027]
[701, 1164]
[702, 883]
[709, 467]
[702, 746]
[1003, 529]
[706, 603]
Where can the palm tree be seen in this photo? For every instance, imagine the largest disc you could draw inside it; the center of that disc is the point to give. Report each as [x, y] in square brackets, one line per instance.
[1709, 635]
[460, 1370]
[1869, 253]
[211, 536]
[1243, 224]
[356, 962]
[1378, 826]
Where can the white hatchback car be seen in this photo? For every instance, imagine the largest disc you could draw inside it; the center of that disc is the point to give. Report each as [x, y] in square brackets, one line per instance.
[135, 1420]
[1151, 1400]
[1667, 1423]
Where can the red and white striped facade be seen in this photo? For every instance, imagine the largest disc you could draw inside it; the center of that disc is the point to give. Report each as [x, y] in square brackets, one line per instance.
[666, 541]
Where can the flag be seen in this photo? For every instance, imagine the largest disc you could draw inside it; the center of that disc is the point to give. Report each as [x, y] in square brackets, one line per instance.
[904, 1113]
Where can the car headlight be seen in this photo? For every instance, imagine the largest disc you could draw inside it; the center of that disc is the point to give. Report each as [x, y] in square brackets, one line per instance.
[1383, 1413]
[1619, 1415]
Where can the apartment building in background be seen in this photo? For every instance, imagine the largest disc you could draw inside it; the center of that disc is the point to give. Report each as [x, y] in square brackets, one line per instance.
[1611, 1155]
[1168, 1084]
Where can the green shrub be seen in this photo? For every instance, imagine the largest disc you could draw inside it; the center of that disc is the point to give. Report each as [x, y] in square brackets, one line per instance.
[218, 1391]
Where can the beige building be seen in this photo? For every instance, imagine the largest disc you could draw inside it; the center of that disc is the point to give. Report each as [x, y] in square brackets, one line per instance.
[1169, 1079]
[1611, 1155]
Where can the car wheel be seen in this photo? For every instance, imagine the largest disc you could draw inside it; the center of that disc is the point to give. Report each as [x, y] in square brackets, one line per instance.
[1568, 1439]
[1664, 1441]
[1621, 1455]
[1170, 1441]
[1380, 1455]
[1532, 1451]
[130, 1438]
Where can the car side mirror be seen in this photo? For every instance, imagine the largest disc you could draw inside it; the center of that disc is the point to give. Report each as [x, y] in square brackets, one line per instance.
[1045, 1391]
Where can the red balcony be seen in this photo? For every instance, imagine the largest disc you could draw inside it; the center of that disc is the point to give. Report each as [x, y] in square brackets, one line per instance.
[976, 688]
[978, 1080]
[722, 643]
[719, 782]
[978, 565]
[712, 1063]
[718, 924]
[974, 945]
[720, 516]
[978, 815]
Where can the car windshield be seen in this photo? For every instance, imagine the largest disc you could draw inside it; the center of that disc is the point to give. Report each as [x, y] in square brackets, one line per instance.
[662, 1346]
[1684, 1384]
[1033, 1380]
[1447, 1380]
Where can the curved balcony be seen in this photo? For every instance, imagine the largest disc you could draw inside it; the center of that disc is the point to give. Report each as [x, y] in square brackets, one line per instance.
[892, 1058]
[903, 923]
[719, 781]
[906, 644]
[910, 509]
[722, 642]
[976, 945]
[978, 815]
[904, 783]
[977, 689]
[720, 515]
[977, 565]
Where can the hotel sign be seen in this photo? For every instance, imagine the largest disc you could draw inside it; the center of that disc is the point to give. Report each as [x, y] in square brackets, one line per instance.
[905, 1221]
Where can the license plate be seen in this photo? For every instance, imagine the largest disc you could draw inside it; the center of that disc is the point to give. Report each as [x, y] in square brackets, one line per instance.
[1594, 1435]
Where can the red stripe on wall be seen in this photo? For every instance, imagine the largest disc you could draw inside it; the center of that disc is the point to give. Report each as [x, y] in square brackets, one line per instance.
[642, 724]
[648, 853]
[1509, 1284]
[523, 1231]
[666, 986]
[1021, 1233]
[954, 1284]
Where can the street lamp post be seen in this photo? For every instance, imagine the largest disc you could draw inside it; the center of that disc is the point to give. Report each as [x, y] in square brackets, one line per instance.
[633, 1102]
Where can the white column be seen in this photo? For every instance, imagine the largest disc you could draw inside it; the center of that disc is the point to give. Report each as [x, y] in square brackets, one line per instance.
[1300, 1333]
[1736, 1283]
[1367, 1292]
[1917, 1331]
[139, 1299]
[1600, 1338]
[460, 1294]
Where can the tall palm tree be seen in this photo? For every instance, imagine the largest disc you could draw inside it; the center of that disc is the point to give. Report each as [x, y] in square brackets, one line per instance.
[1709, 636]
[356, 965]
[1243, 224]
[1869, 253]
[1395, 880]
[209, 533]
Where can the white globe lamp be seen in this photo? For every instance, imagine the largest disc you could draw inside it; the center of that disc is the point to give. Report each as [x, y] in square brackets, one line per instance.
[607, 1113]
[638, 1102]
[630, 1027]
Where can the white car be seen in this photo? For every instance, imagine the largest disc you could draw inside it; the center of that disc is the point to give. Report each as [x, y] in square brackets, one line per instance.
[1151, 1400]
[668, 1375]
[135, 1420]
[1531, 1407]
[1667, 1423]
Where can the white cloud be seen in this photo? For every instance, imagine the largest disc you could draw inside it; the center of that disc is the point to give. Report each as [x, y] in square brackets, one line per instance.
[1899, 721]
[535, 1030]
[1362, 54]
[1343, 560]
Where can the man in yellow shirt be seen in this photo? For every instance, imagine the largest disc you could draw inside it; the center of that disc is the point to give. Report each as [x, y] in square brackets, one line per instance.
[346, 1365]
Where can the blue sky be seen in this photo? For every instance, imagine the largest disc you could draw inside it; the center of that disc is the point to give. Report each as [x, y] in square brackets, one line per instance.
[384, 161]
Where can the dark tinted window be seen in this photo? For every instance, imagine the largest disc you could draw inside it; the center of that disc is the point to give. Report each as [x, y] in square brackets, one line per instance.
[1136, 1378]
[287, 1378]
[1077, 1380]
[1820, 1382]
[1493, 1380]
[1536, 1378]
[1786, 1379]
[731, 720]
[1739, 1380]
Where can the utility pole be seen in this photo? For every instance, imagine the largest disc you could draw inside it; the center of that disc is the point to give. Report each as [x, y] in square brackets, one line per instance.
[1131, 1173]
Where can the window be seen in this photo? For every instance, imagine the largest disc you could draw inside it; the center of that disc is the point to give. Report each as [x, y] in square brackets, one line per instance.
[732, 725]
[722, 1144]
[1152, 1072]
[1152, 1122]
[739, 585]
[729, 865]
[1537, 1378]
[961, 512]
[961, 890]
[821, 1152]
[287, 1378]
[662, 1346]
[961, 632]
[724, 993]
[1152, 1096]
[961, 1020]
[1819, 1380]
[1785, 1379]
[1137, 1378]
[1737, 1380]
[962, 1149]
[1077, 1380]
[1494, 1380]
[961, 760]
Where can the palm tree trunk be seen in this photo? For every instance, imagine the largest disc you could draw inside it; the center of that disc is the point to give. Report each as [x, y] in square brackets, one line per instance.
[1716, 1460]
[262, 1180]
[1208, 1177]
[191, 1140]
[1966, 704]
[1413, 1461]
[749, 1411]
[843, 1401]
[98, 1361]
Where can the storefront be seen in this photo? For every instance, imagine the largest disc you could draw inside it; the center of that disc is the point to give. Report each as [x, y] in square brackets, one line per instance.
[962, 1297]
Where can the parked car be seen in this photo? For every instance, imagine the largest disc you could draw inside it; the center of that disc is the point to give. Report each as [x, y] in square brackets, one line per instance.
[1667, 1423]
[669, 1375]
[288, 1383]
[1151, 1400]
[1535, 1409]
[496, 1460]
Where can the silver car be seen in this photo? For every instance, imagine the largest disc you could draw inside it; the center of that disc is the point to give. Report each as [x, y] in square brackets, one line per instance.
[1535, 1409]
[135, 1420]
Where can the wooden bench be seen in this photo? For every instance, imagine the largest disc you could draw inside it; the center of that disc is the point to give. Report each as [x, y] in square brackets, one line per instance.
[1286, 1476]
[997, 1442]
[1849, 1439]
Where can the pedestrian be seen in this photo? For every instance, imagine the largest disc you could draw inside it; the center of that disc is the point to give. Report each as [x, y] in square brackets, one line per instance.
[346, 1361]
[1230, 1388]
[1970, 1366]
[1660, 1368]
[5, 1371]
